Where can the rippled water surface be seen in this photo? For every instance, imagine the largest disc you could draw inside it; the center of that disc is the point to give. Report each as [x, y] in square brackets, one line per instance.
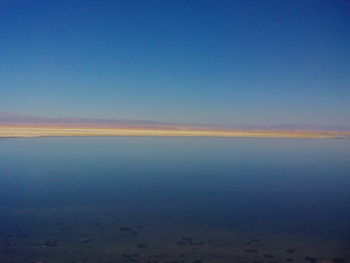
[156, 200]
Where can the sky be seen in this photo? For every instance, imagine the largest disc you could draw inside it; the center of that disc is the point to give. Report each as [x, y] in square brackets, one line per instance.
[212, 62]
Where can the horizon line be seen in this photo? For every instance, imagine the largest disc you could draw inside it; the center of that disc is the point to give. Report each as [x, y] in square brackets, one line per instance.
[9, 119]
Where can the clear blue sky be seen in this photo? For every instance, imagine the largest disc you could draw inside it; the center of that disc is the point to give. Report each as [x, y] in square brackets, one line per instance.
[221, 62]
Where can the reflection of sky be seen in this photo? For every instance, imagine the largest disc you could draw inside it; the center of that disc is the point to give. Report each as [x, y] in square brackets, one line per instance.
[197, 61]
[300, 183]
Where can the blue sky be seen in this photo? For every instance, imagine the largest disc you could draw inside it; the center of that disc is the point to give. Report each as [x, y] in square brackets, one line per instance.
[219, 62]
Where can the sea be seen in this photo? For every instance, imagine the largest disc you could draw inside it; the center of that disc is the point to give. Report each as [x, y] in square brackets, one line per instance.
[174, 200]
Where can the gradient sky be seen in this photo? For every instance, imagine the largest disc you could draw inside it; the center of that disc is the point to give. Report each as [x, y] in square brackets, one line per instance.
[220, 62]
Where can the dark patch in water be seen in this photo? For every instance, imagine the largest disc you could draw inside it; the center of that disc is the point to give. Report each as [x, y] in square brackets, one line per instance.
[142, 245]
[125, 228]
[311, 259]
[251, 250]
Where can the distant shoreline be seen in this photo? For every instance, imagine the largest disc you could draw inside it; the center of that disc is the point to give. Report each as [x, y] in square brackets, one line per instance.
[33, 132]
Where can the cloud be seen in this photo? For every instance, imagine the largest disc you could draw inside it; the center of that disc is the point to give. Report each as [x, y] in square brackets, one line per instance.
[17, 119]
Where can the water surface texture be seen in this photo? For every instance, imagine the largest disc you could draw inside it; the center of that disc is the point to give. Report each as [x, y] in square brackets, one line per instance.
[155, 200]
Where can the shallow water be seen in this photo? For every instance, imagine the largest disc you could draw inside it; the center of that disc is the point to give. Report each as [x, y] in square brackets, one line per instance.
[122, 199]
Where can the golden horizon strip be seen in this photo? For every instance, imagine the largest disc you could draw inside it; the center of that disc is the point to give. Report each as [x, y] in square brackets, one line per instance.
[27, 131]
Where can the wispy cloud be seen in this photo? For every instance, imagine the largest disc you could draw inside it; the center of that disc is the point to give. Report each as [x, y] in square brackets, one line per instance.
[18, 119]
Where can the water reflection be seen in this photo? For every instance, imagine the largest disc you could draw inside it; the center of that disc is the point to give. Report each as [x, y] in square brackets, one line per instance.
[174, 200]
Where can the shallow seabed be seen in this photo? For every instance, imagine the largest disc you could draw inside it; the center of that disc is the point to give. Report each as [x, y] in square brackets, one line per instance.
[185, 200]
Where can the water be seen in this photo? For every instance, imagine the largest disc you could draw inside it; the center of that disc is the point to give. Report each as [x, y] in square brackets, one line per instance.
[120, 199]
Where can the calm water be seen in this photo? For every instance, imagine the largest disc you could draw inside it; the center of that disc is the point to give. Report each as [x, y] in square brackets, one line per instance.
[185, 200]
